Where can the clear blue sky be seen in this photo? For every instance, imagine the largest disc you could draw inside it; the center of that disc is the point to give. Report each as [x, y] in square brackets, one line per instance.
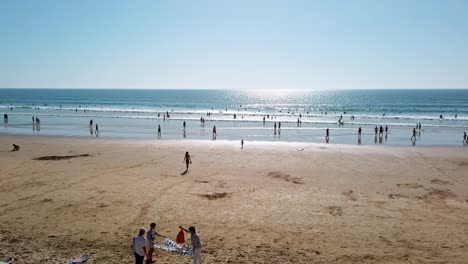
[249, 44]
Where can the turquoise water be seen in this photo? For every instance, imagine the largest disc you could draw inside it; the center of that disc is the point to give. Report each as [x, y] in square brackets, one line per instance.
[134, 114]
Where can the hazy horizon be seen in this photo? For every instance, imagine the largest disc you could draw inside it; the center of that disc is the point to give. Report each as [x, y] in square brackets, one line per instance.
[245, 45]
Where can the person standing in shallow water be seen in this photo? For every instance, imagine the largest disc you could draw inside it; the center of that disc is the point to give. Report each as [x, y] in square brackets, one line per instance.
[159, 131]
[465, 139]
[187, 160]
[414, 135]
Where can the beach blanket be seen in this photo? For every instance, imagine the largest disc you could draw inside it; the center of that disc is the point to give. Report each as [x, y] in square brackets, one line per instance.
[172, 246]
[80, 259]
[7, 260]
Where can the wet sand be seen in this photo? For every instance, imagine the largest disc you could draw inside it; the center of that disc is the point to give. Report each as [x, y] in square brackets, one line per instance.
[266, 203]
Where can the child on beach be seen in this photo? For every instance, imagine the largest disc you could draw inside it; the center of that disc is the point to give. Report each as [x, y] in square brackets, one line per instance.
[196, 243]
[16, 147]
[151, 237]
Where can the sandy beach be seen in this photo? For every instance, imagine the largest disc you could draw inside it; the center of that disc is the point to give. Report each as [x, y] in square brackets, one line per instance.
[267, 203]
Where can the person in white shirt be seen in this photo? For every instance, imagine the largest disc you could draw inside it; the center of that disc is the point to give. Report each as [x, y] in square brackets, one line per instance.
[196, 243]
[139, 246]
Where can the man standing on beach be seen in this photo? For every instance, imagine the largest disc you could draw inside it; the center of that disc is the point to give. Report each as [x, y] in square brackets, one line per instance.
[196, 243]
[139, 247]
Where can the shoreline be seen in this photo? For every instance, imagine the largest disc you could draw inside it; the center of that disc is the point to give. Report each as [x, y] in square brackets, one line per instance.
[297, 144]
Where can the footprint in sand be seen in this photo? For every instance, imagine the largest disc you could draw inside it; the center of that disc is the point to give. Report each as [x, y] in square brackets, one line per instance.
[412, 185]
[439, 182]
[285, 177]
[350, 195]
[396, 196]
[438, 195]
[214, 196]
[335, 210]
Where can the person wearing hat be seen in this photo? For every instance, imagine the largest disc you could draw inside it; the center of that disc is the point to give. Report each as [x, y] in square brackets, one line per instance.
[139, 246]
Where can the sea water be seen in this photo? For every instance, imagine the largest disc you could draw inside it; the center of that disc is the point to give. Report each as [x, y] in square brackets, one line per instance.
[134, 113]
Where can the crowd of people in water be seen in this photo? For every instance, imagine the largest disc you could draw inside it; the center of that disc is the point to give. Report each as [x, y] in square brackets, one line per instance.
[379, 131]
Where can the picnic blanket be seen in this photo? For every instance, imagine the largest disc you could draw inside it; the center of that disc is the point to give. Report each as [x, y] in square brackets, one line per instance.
[172, 246]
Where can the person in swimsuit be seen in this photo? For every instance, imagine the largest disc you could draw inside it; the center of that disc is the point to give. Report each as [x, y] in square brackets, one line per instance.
[187, 159]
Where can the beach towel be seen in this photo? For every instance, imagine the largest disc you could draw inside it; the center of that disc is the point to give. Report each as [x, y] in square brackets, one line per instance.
[172, 246]
[7, 260]
[180, 237]
[80, 259]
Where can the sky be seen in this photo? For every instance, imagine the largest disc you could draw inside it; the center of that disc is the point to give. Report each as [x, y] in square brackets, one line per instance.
[242, 44]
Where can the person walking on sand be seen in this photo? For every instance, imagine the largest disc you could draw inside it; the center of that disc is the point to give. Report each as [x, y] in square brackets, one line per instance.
[359, 132]
[386, 129]
[139, 245]
[327, 135]
[159, 131]
[196, 244]
[465, 139]
[151, 238]
[214, 132]
[97, 130]
[242, 143]
[376, 129]
[187, 160]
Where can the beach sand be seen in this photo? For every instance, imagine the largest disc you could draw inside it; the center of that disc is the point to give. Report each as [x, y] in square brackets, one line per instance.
[266, 203]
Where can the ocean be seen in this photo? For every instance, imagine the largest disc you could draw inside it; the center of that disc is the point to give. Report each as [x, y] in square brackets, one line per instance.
[239, 114]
